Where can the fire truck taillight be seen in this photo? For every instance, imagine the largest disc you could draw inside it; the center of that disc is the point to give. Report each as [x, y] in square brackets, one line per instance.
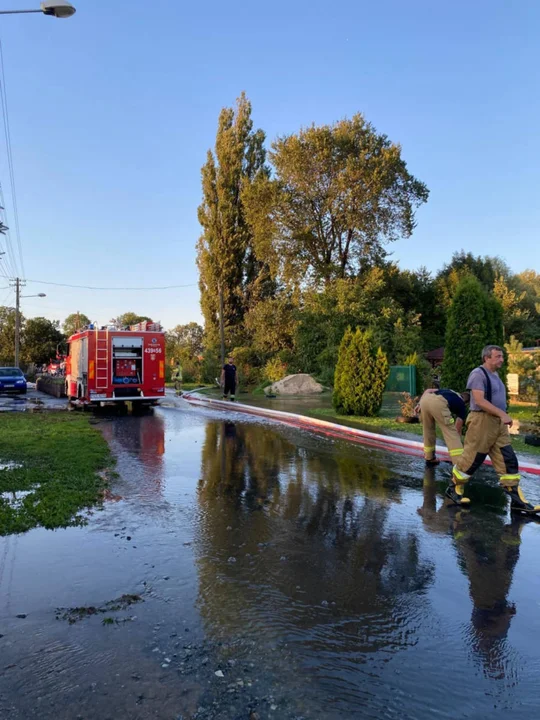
[161, 369]
[91, 369]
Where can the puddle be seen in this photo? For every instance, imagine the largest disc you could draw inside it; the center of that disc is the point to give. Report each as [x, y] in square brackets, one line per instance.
[283, 575]
[10, 466]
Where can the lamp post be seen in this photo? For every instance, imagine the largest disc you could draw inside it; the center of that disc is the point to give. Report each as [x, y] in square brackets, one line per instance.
[56, 8]
[18, 297]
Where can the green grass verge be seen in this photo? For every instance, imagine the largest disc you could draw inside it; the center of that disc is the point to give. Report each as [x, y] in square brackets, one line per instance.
[371, 423]
[523, 413]
[259, 390]
[519, 445]
[60, 457]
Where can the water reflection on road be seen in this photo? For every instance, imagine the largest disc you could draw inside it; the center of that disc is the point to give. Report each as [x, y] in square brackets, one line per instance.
[321, 580]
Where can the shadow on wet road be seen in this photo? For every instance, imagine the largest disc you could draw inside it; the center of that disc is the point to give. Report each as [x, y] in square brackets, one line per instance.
[280, 575]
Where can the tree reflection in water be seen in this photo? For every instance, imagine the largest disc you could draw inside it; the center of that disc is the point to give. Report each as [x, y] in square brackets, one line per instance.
[295, 545]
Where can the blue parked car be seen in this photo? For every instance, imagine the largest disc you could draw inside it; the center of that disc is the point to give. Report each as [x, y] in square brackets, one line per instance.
[12, 380]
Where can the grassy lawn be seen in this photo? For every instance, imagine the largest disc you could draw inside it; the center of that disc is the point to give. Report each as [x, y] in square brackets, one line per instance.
[60, 456]
[384, 421]
[522, 412]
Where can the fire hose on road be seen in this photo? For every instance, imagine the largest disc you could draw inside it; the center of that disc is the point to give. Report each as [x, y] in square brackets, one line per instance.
[342, 432]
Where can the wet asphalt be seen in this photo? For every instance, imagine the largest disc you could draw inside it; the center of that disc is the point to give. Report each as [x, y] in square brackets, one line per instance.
[273, 574]
[32, 399]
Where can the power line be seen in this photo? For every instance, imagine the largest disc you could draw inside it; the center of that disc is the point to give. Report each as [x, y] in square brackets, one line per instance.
[3, 270]
[6, 297]
[7, 132]
[6, 267]
[91, 287]
[9, 258]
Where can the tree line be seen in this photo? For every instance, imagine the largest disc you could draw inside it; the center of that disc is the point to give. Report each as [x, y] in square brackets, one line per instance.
[42, 339]
[295, 241]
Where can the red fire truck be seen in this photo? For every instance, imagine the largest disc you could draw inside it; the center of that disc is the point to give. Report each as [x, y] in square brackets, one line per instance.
[110, 365]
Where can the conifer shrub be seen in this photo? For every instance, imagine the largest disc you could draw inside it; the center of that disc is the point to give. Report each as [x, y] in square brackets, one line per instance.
[361, 373]
[474, 321]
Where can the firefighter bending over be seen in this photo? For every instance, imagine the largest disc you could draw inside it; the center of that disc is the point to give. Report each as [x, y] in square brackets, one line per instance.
[487, 434]
[440, 407]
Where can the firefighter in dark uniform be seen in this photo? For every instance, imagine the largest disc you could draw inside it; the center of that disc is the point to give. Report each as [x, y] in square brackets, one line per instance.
[229, 379]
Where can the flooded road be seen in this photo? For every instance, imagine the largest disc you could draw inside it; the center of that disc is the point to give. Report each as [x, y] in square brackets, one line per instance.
[245, 570]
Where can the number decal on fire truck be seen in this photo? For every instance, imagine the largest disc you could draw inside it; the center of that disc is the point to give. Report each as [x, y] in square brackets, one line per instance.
[153, 350]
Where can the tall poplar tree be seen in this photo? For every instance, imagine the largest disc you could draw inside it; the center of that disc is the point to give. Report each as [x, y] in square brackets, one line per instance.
[225, 256]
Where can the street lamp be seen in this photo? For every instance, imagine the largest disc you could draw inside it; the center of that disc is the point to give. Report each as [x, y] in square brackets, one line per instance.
[18, 297]
[56, 8]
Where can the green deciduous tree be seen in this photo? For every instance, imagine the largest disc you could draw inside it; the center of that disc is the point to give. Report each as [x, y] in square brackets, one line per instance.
[417, 293]
[525, 365]
[131, 318]
[271, 324]
[40, 340]
[7, 334]
[474, 320]
[423, 371]
[185, 338]
[361, 374]
[75, 322]
[363, 302]
[515, 314]
[184, 344]
[339, 194]
[529, 282]
[486, 269]
[225, 256]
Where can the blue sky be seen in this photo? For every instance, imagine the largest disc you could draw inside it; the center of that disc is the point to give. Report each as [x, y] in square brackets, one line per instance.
[112, 112]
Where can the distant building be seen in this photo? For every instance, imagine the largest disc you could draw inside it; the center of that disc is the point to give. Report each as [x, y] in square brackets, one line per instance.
[435, 357]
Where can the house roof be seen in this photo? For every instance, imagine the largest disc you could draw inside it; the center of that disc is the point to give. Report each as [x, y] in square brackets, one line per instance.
[437, 354]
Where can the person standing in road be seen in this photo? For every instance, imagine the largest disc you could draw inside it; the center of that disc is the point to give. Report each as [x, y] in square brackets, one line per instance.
[448, 410]
[177, 377]
[487, 434]
[229, 379]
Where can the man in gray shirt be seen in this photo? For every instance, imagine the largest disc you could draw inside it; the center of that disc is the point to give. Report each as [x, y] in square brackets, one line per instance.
[487, 434]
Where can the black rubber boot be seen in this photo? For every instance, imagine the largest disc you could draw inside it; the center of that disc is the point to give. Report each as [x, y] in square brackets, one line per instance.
[455, 493]
[432, 463]
[518, 502]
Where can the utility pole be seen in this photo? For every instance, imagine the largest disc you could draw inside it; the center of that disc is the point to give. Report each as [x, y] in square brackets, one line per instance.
[18, 283]
[221, 326]
[17, 320]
